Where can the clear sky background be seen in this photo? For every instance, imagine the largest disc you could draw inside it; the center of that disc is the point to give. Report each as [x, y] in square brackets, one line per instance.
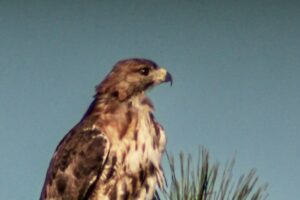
[236, 69]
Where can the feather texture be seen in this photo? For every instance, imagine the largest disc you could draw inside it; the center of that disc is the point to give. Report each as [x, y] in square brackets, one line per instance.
[115, 151]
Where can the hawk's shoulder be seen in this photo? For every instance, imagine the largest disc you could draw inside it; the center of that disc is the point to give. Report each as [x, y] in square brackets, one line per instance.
[77, 163]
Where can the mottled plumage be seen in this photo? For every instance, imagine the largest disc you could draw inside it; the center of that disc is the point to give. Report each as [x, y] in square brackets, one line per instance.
[114, 152]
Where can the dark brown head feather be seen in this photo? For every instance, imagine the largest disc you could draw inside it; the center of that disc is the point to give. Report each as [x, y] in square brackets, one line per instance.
[124, 79]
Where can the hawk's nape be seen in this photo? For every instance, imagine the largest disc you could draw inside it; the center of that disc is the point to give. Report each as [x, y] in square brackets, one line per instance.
[115, 151]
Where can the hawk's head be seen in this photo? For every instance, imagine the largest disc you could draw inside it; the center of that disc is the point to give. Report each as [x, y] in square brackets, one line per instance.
[132, 76]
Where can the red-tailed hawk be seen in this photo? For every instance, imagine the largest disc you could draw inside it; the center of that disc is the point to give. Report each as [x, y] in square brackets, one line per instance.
[114, 152]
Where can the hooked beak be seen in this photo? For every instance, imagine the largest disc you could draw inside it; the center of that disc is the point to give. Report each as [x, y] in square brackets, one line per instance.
[162, 76]
[169, 78]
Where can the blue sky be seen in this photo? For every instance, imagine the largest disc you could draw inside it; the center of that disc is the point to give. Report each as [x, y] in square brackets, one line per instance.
[235, 64]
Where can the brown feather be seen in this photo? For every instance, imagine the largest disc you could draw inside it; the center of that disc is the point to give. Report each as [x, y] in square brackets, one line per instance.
[115, 150]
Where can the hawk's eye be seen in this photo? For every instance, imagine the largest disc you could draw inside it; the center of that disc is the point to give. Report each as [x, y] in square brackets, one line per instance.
[145, 71]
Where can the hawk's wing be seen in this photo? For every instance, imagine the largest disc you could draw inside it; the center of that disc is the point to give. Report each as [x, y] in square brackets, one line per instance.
[76, 164]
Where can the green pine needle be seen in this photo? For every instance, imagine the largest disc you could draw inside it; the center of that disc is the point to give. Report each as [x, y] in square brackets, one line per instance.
[205, 182]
